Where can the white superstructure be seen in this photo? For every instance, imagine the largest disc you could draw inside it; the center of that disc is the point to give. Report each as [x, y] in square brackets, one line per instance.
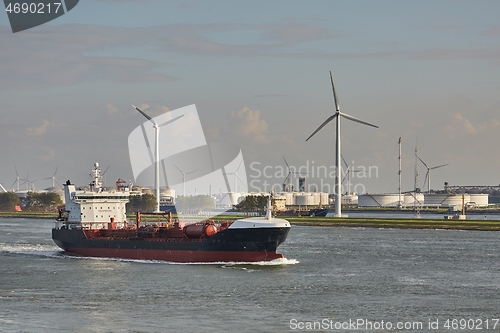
[95, 208]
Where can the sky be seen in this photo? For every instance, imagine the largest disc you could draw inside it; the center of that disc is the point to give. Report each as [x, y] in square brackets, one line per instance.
[258, 73]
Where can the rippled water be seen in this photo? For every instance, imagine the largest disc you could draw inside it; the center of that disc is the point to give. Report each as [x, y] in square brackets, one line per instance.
[330, 273]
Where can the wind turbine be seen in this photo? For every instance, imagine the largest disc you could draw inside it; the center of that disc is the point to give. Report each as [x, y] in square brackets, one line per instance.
[348, 175]
[288, 187]
[236, 177]
[54, 180]
[337, 115]
[29, 182]
[428, 173]
[184, 179]
[157, 152]
[17, 179]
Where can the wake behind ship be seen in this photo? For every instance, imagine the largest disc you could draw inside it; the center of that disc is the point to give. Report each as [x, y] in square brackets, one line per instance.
[94, 223]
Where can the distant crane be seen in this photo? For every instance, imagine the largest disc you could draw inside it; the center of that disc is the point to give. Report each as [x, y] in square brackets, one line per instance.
[337, 115]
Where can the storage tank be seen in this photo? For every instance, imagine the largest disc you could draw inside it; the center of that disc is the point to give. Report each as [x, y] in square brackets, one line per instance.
[301, 199]
[289, 198]
[325, 200]
[309, 199]
[481, 199]
[316, 198]
[378, 200]
[233, 197]
[168, 191]
[350, 199]
[146, 190]
[445, 200]
[408, 199]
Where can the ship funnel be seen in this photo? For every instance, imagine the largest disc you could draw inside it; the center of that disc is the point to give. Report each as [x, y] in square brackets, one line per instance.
[269, 214]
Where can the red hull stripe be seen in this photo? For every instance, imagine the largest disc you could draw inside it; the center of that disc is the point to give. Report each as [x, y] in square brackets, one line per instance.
[177, 256]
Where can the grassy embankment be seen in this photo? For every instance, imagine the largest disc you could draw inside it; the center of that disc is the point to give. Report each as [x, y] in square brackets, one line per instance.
[327, 222]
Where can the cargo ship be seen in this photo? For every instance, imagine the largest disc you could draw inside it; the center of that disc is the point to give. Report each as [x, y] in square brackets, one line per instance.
[94, 223]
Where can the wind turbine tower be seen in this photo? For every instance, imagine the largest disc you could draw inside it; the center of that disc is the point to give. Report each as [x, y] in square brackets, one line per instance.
[337, 115]
[157, 153]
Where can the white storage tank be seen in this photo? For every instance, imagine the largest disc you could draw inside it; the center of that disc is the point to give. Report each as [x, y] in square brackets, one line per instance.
[289, 198]
[350, 199]
[309, 199]
[168, 191]
[325, 200]
[316, 198]
[445, 200]
[409, 199]
[301, 199]
[481, 200]
[378, 200]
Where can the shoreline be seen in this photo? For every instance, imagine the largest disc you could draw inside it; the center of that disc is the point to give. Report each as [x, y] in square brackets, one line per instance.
[399, 223]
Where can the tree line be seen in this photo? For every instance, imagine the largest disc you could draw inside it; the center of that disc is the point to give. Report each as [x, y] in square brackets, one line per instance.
[37, 202]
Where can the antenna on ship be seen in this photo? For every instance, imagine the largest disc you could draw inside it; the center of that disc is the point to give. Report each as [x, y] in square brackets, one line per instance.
[337, 115]
[157, 152]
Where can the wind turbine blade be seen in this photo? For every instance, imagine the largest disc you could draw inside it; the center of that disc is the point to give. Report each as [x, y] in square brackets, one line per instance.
[171, 121]
[239, 166]
[164, 172]
[286, 163]
[426, 176]
[343, 159]
[335, 99]
[422, 162]
[239, 179]
[17, 174]
[344, 177]
[178, 168]
[286, 178]
[57, 167]
[356, 120]
[439, 166]
[191, 172]
[322, 125]
[145, 115]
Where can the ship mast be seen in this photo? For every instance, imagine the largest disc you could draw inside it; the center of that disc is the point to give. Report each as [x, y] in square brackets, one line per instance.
[95, 174]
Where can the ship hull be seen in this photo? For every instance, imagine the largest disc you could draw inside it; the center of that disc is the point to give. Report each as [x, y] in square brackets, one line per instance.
[240, 245]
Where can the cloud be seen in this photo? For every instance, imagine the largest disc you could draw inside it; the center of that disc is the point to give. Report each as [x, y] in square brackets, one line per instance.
[295, 33]
[459, 126]
[39, 130]
[111, 108]
[72, 54]
[46, 153]
[248, 124]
